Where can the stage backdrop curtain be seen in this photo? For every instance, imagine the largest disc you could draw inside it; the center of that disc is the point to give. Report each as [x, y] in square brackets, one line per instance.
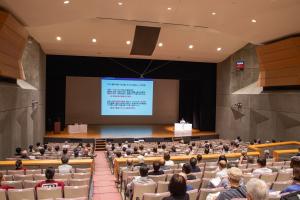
[197, 104]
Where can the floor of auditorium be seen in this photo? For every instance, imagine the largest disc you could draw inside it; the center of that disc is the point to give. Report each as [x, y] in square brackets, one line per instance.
[129, 131]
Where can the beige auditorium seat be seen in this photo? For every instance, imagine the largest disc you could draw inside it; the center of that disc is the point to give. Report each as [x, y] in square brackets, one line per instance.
[247, 177]
[162, 186]
[205, 182]
[284, 176]
[278, 163]
[80, 198]
[201, 165]
[14, 172]
[242, 166]
[39, 177]
[198, 174]
[29, 184]
[140, 189]
[83, 170]
[126, 175]
[8, 177]
[211, 164]
[48, 193]
[81, 175]
[15, 184]
[4, 172]
[155, 196]
[17, 194]
[19, 177]
[2, 194]
[279, 186]
[65, 181]
[247, 170]
[169, 176]
[269, 177]
[194, 183]
[205, 191]
[253, 166]
[78, 182]
[168, 171]
[33, 171]
[157, 178]
[209, 174]
[210, 168]
[62, 176]
[76, 191]
[193, 194]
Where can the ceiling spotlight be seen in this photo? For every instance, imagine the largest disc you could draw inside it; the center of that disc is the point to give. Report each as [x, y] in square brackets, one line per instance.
[160, 44]
[58, 38]
[213, 13]
[191, 46]
[66, 2]
[219, 48]
[128, 42]
[120, 3]
[253, 20]
[94, 40]
[169, 8]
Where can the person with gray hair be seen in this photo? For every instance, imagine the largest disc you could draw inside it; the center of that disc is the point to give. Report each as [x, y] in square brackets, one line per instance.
[257, 189]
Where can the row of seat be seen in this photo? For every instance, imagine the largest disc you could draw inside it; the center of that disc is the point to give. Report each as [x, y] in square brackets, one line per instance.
[41, 171]
[45, 193]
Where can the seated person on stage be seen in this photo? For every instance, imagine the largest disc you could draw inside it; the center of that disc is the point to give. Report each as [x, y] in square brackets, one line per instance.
[194, 167]
[168, 162]
[257, 189]
[296, 182]
[142, 179]
[177, 188]
[50, 183]
[19, 165]
[156, 169]
[182, 121]
[262, 169]
[236, 189]
[65, 168]
[186, 168]
[4, 187]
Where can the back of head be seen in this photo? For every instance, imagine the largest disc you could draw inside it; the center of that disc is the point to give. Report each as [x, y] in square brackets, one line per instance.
[262, 161]
[19, 164]
[222, 157]
[250, 160]
[222, 164]
[295, 161]
[193, 162]
[129, 162]
[65, 151]
[18, 150]
[166, 156]
[296, 174]
[177, 186]
[257, 189]
[64, 159]
[199, 157]
[156, 165]
[56, 148]
[186, 168]
[42, 151]
[235, 174]
[144, 171]
[163, 146]
[50, 171]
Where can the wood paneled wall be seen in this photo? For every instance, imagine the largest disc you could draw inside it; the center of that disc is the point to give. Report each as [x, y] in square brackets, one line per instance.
[13, 38]
[279, 63]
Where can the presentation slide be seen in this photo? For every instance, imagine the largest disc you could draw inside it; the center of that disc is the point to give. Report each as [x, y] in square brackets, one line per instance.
[126, 96]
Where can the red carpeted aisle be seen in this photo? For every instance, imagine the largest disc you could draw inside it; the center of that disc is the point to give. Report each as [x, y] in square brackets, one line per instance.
[104, 181]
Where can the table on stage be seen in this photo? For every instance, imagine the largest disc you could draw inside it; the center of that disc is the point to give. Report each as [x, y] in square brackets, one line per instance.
[77, 128]
[183, 129]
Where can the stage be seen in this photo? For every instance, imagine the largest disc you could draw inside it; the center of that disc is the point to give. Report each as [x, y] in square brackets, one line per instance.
[129, 132]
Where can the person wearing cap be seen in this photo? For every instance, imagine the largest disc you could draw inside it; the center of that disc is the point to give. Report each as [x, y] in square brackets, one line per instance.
[262, 169]
[236, 189]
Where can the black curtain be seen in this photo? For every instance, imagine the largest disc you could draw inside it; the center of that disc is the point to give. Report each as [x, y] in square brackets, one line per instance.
[197, 104]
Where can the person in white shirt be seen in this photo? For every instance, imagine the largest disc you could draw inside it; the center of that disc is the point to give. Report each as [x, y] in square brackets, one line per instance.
[262, 162]
[223, 170]
[65, 168]
[66, 145]
[168, 162]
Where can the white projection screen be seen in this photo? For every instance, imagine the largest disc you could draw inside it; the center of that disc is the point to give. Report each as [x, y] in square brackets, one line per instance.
[83, 103]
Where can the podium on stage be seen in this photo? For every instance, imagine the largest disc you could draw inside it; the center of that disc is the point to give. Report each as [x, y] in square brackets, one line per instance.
[183, 129]
[77, 128]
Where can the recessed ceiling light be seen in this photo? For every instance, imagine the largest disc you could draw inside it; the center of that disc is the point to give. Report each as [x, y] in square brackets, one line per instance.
[66, 2]
[213, 13]
[160, 44]
[253, 20]
[128, 42]
[169, 8]
[191, 46]
[120, 3]
[94, 40]
[219, 48]
[58, 38]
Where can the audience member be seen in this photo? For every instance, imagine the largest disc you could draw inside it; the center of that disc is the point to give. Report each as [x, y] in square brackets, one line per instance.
[194, 167]
[66, 145]
[129, 165]
[19, 165]
[257, 189]
[141, 161]
[4, 187]
[262, 169]
[18, 151]
[24, 154]
[236, 190]
[168, 162]
[65, 168]
[30, 148]
[177, 188]
[186, 168]
[222, 172]
[156, 169]
[296, 182]
[49, 182]
[199, 158]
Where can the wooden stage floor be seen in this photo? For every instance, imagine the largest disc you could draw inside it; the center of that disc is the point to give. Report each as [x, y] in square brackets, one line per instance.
[128, 131]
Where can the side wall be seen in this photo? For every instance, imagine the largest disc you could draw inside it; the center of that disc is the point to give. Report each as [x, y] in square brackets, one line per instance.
[22, 124]
[268, 115]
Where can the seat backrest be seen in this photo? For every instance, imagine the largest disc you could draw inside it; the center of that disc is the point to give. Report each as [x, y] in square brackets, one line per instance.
[4, 172]
[33, 171]
[253, 166]
[15, 184]
[242, 166]
[140, 189]
[211, 164]
[205, 182]
[155, 196]
[65, 181]
[247, 170]
[79, 198]
[176, 171]
[157, 178]
[168, 171]
[210, 168]
[284, 176]
[278, 163]
[78, 182]
[29, 184]
[209, 174]
[269, 177]
[162, 186]
[279, 186]
[193, 194]
[17, 194]
[48, 193]
[13, 172]
[169, 176]
[83, 170]
[194, 183]
[62, 176]
[8, 177]
[2, 194]
[198, 174]
[247, 177]
[76, 191]
[82, 175]
[205, 191]
[39, 177]
[19, 177]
